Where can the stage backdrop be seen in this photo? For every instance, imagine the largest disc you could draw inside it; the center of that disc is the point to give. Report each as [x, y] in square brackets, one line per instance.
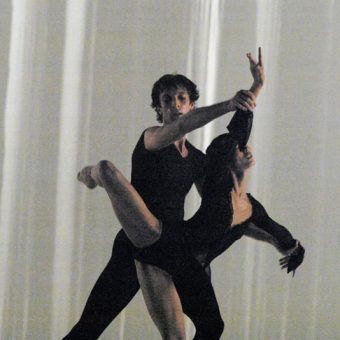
[75, 86]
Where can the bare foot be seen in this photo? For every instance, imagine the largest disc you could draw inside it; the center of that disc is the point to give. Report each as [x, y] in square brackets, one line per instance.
[84, 176]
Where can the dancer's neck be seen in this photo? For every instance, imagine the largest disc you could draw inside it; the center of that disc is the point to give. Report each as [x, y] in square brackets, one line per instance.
[180, 146]
[240, 184]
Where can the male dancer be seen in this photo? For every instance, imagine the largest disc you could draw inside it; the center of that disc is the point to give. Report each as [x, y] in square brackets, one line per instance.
[164, 166]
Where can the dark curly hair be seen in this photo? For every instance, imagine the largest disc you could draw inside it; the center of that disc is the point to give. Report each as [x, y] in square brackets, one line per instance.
[171, 81]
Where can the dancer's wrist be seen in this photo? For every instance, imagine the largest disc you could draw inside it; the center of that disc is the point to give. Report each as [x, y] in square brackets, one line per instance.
[256, 88]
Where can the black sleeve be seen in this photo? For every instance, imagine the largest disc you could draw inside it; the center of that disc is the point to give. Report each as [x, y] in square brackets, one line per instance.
[240, 126]
[276, 234]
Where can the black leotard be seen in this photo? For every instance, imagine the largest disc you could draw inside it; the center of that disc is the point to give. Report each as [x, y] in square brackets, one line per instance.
[208, 236]
[163, 178]
[209, 231]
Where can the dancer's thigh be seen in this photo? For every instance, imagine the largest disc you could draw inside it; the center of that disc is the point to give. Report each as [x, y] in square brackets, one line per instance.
[162, 300]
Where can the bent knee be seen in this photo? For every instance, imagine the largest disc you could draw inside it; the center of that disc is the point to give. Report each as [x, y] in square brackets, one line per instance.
[149, 235]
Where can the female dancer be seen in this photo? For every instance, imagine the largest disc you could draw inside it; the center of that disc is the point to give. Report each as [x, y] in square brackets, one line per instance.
[226, 213]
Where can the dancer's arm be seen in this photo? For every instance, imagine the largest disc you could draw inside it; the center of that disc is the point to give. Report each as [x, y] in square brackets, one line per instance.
[241, 123]
[263, 228]
[260, 234]
[158, 137]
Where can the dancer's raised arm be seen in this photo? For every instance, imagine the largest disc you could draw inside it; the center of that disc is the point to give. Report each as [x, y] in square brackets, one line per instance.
[177, 105]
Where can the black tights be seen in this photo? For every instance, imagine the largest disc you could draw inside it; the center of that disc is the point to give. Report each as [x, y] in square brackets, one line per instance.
[114, 289]
[198, 301]
[118, 284]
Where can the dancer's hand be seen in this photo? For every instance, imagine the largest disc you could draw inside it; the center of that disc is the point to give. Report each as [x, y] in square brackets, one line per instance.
[257, 69]
[294, 259]
[244, 100]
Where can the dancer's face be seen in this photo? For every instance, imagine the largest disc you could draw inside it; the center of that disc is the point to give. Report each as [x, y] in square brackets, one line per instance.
[243, 159]
[175, 102]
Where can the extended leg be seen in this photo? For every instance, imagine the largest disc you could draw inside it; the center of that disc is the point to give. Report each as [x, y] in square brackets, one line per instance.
[162, 301]
[114, 289]
[140, 225]
[196, 294]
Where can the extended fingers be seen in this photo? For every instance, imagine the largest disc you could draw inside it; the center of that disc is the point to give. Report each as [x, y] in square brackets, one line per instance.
[250, 99]
[251, 59]
[291, 262]
[244, 104]
[247, 96]
[284, 262]
[260, 57]
[284, 259]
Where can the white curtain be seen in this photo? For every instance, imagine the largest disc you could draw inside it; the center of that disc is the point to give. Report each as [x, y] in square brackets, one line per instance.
[76, 79]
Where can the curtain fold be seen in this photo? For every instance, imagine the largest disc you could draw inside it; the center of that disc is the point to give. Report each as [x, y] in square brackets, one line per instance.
[71, 107]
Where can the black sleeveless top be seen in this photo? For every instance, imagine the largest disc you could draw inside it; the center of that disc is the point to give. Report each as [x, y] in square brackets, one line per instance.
[163, 178]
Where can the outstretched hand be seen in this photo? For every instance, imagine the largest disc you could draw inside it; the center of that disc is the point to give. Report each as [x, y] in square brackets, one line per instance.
[256, 68]
[294, 259]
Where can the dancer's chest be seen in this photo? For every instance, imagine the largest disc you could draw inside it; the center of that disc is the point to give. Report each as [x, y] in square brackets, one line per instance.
[242, 208]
